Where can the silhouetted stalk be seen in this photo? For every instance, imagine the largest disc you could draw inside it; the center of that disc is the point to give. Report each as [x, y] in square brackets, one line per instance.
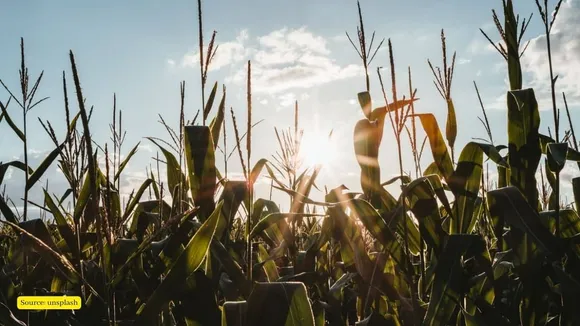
[94, 208]
[73, 165]
[107, 220]
[485, 122]
[200, 25]
[417, 169]
[548, 24]
[121, 139]
[363, 52]
[114, 127]
[249, 179]
[296, 141]
[26, 104]
[238, 143]
[443, 84]
[573, 134]
[413, 137]
[548, 28]
[181, 137]
[398, 125]
[224, 124]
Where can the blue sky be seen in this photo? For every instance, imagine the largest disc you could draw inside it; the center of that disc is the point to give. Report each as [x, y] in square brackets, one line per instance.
[141, 50]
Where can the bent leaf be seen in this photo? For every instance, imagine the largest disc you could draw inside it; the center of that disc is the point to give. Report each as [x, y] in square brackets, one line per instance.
[438, 146]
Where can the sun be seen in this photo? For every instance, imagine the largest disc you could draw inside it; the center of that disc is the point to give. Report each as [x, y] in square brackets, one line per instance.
[318, 148]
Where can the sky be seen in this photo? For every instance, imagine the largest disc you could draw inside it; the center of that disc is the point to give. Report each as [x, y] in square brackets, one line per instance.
[142, 50]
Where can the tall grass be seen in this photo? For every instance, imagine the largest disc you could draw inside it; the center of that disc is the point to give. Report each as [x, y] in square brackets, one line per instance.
[452, 248]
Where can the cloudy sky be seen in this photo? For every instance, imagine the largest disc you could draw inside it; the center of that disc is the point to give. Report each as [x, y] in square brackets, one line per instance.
[141, 50]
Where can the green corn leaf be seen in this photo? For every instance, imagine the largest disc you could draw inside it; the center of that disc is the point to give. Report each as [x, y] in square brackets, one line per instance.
[11, 123]
[280, 303]
[465, 183]
[45, 164]
[142, 219]
[126, 161]
[135, 200]
[231, 267]
[273, 219]
[217, 122]
[15, 164]
[184, 266]
[197, 294]
[423, 204]
[524, 142]
[269, 266]
[353, 251]
[576, 191]
[557, 153]
[438, 147]
[233, 194]
[37, 174]
[210, 100]
[364, 99]
[512, 44]
[448, 285]
[375, 224]
[451, 125]
[200, 158]
[367, 139]
[175, 176]
[63, 227]
[510, 204]
[64, 196]
[404, 178]
[7, 212]
[84, 195]
[262, 208]
[36, 232]
[571, 155]
[569, 224]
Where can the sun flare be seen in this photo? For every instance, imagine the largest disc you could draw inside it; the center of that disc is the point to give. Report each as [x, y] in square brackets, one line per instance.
[318, 148]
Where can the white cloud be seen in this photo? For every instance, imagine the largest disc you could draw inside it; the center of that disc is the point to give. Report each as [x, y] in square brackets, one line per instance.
[227, 53]
[9, 173]
[306, 71]
[145, 147]
[303, 61]
[36, 153]
[481, 46]
[282, 60]
[287, 99]
[477, 46]
[497, 103]
[565, 44]
[263, 179]
[340, 38]
[463, 61]
[171, 62]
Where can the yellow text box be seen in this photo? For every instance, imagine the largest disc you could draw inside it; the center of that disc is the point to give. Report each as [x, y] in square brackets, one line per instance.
[48, 303]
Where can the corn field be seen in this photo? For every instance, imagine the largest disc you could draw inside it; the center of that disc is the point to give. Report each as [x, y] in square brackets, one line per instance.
[452, 248]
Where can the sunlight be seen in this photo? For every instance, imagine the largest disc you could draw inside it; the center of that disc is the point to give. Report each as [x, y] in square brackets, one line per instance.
[318, 148]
